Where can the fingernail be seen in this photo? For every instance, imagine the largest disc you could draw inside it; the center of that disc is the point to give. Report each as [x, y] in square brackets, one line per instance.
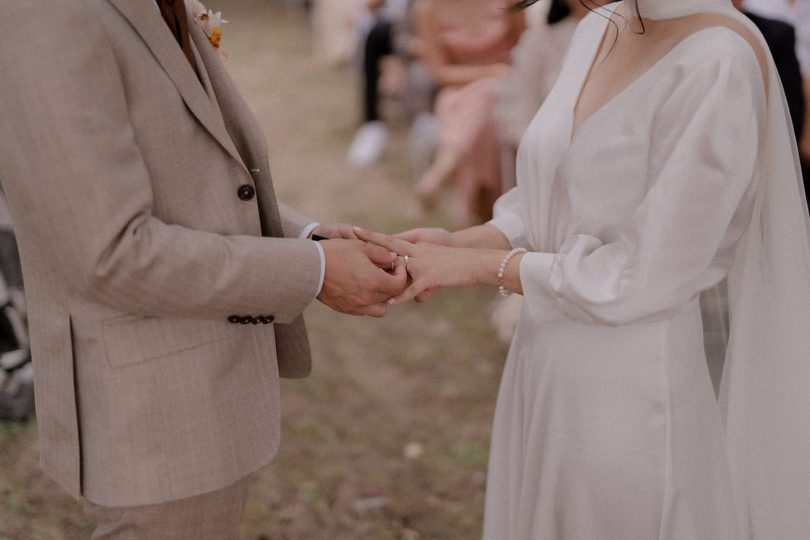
[392, 254]
[392, 301]
[358, 229]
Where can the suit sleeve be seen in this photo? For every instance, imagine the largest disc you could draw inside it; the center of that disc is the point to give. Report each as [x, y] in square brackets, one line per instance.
[70, 163]
[292, 221]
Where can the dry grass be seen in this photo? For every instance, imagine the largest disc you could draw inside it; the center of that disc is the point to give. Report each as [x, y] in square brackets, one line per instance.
[426, 374]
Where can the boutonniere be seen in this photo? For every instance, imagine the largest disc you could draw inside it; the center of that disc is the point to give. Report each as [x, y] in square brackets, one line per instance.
[210, 22]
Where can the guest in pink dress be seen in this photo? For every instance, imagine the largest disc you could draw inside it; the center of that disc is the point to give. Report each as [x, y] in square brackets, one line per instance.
[466, 44]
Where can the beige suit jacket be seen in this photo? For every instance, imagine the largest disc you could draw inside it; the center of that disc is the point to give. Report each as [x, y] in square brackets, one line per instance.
[123, 172]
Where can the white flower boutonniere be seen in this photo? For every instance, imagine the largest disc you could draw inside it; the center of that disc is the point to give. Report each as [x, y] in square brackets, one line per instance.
[210, 22]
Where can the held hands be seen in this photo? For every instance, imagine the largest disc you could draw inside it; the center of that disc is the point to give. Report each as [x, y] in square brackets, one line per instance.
[432, 266]
[355, 282]
[436, 236]
[367, 272]
[359, 277]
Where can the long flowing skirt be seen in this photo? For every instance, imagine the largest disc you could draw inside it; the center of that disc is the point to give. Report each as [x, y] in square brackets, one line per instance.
[608, 433]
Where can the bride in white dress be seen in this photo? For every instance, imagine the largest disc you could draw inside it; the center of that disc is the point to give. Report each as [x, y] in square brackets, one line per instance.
[661, 165]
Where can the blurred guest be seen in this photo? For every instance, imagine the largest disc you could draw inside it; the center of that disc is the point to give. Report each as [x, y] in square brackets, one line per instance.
[794, 12]
[16, 368]
[780, 34]
[384, 19]
[466, 44]
[334, 28]
[797, 14]
[536, 63]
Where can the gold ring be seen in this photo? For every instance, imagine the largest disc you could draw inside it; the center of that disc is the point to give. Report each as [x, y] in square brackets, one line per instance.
[405, 261]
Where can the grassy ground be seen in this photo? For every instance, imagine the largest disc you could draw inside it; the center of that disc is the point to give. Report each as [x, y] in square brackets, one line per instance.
[388, 439]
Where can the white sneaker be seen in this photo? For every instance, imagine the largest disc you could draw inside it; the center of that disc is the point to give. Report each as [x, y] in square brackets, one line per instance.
[368, 145]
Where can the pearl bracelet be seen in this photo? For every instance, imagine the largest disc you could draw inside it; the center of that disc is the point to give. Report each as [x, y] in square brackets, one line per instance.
[502, 270]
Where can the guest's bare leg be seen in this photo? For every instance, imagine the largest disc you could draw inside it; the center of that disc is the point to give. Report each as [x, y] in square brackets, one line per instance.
[466, 199]
[446, 163]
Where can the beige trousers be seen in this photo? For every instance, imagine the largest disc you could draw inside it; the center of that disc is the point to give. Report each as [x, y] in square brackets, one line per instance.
[210, 516]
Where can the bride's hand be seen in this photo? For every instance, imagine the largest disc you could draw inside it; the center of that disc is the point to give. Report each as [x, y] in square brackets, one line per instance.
[439, 237]
[432, 267]
[434, 235]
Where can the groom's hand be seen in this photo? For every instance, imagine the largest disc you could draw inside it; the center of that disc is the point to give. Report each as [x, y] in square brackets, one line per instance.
[355, 282]
[335, 230]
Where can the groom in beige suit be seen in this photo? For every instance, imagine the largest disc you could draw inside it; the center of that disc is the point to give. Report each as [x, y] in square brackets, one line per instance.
[165, 284]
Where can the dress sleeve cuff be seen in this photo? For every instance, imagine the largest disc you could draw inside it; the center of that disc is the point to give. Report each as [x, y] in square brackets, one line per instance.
[536, 278]
[512, 228]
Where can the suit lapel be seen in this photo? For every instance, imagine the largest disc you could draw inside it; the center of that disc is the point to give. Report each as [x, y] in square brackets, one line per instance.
[205, 79]
[239, 120]
[244, 130]
[147, 22]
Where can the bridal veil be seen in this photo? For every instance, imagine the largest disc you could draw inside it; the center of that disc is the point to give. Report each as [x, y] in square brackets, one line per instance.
[765, 385]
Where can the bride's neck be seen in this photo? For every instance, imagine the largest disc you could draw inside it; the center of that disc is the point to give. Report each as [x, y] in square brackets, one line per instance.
[630, 20]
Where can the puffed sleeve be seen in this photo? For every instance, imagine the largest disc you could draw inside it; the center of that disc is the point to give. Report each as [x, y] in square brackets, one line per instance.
[508, 220]
[703, 157]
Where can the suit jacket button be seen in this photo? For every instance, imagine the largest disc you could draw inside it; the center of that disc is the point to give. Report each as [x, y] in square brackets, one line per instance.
[269, 319]
[234, 319]
[246, 192]
[246, 320]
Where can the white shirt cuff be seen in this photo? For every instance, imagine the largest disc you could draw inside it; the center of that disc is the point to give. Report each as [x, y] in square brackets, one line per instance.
[308, 230]
[303, 236]
[323, 269]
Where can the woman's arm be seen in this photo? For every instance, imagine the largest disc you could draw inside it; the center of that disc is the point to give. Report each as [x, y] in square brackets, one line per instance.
[481, 236]
[431, 266]
[504, 232]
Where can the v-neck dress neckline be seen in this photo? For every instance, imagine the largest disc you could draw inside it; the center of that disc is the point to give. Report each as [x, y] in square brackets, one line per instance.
[574, 131]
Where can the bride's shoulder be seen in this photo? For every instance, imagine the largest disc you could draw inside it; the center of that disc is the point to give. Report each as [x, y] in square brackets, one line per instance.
[724, 39]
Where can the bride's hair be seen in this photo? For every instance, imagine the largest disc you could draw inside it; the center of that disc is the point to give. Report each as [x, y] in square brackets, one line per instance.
[559, 9]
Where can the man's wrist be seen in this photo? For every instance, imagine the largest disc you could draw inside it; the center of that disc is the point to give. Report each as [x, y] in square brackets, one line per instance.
[323, 269]
[307, 231]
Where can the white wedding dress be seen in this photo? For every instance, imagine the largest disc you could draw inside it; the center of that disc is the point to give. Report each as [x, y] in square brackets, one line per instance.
[607, 425]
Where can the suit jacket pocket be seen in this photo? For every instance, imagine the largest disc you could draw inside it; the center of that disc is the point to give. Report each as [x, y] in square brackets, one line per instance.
[132, 340]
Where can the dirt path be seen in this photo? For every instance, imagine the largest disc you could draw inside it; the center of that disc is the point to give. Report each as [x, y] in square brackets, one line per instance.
[388, 439]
